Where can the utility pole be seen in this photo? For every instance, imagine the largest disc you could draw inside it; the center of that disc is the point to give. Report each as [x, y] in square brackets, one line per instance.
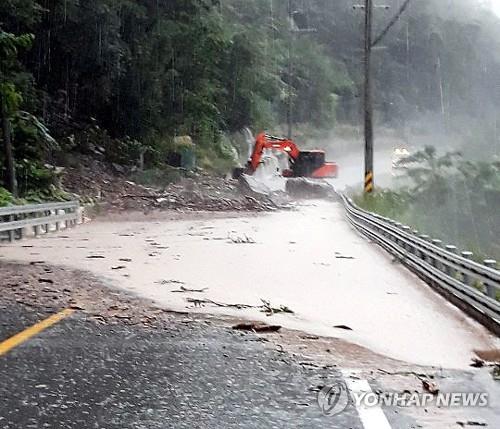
[367, 99]
[290, 72]
[369, 184]
[369, 44]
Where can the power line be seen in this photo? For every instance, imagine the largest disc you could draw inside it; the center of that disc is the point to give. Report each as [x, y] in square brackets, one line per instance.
[293, 30]
[392, 22]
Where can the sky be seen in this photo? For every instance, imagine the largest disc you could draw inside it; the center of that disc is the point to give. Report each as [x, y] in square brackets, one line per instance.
[496, 6]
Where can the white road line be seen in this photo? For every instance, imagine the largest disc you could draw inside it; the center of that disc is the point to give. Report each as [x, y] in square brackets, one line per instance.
[372, 417]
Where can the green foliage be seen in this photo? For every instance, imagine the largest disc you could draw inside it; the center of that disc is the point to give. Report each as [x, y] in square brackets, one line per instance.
[10, 68]
[33, 176]
[200, 67]
[10, 44]
[317, 82]
[12, 98]
[6, 197]
[427, 170]
[448, 198]
[121, 78]
[32, 138]
[185, 67]
[52, 193]
[37, 184]
[219, 162]
[125, 151]
[391, 204]
[97, 141]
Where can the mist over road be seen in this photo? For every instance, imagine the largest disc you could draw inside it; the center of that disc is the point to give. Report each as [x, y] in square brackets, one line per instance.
[351, 169]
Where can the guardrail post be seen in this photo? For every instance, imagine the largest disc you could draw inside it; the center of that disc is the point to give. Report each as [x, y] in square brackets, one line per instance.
[490, 289]
[490, 263]
[437, 243]
[407, 229]
[414, 249]
[37, 228]
[11, 233]
[421, 255]
[451, 248]
[19, 231]
[46, 213]
[71, 222]
[65, 222]
[436, 263]
[449, 270]
[465, 278]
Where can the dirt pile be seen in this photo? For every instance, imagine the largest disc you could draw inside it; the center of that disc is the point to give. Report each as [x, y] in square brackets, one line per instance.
[109, 186]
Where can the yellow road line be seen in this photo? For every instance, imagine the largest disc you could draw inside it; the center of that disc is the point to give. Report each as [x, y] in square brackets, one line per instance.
[25, 335]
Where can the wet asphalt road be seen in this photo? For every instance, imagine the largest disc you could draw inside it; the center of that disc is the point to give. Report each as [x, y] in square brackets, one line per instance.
[190, 374]
[80, 374]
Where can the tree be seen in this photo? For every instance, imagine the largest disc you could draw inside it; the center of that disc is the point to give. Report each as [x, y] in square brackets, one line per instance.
[429, 171]
[10, 98]
[148, 70]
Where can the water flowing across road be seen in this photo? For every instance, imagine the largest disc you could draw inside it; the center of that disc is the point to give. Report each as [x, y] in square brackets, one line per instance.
[309, 260]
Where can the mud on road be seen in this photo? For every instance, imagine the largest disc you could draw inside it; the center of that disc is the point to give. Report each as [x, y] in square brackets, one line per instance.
[120, 361]
[130, 287]
[307, 260]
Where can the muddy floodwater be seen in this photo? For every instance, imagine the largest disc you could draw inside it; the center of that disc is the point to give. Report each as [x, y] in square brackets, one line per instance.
[309, 260]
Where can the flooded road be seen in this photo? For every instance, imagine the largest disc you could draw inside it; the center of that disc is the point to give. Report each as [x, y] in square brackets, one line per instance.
[309, 260]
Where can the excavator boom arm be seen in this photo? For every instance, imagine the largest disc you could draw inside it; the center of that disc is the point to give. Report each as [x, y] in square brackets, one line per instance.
[265, 141]
[309, 163]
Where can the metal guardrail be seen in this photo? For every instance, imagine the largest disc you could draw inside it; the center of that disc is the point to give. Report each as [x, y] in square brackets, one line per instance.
[471, 286]
[41, 217]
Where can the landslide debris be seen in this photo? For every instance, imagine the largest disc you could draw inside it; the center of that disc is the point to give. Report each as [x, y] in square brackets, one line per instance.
[109, 186]
[48, 289]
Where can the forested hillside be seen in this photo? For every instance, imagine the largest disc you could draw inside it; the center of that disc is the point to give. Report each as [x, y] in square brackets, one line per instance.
[123, 78]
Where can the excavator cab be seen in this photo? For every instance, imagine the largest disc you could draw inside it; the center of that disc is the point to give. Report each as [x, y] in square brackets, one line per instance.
[308, 162]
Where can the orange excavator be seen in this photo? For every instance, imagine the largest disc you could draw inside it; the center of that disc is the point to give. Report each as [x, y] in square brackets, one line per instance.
[310, 163]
